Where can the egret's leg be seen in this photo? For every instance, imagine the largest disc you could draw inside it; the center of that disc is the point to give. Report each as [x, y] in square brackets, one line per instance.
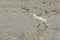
[45, 25]
[38, 25]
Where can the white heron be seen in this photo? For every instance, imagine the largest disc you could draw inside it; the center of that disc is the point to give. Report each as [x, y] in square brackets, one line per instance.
[39, 19]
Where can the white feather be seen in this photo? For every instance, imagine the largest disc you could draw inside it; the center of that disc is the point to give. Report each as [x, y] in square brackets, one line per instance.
[37, 18]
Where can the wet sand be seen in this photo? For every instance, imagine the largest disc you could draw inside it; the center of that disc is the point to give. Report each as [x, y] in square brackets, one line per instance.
[16, 23]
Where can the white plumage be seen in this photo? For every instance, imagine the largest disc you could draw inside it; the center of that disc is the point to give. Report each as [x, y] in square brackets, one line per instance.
[39, 19]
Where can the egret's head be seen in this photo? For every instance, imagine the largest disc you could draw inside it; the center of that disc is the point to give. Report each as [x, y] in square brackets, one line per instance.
[33, 15]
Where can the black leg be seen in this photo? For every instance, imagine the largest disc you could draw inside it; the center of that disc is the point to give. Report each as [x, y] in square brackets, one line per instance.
[38, 25]
[45, 25]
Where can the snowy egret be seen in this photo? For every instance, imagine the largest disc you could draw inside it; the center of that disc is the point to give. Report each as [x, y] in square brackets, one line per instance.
[39, 19]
